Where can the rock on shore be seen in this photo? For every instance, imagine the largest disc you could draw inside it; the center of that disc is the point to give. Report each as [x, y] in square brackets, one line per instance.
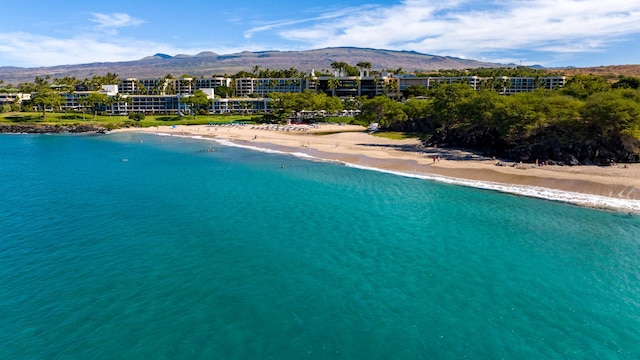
[50, 129]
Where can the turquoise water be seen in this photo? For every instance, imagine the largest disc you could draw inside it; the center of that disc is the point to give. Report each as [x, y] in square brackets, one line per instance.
[181, 253]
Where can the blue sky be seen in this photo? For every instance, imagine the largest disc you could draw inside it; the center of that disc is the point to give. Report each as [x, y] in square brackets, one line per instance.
[546, 32]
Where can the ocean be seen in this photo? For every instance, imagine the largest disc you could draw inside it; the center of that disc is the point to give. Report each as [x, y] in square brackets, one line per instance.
[131, 246]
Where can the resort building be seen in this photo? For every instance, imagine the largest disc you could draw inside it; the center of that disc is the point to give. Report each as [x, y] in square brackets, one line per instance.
[264, 86]
[337, 85]
[149, 86]
[156, 104]
[10, 98]
[431, 82]
[72, 101]
[162, 95]
[505, 85]
[169, 86]
[212, 83]
[352, 86]
[526, 84]
[239, 105]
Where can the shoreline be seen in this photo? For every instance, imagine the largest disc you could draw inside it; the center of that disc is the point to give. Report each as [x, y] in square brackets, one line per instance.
[612, 187]
[51, 129]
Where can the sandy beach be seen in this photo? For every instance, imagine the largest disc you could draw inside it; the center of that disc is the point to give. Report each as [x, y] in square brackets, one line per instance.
[352, 144]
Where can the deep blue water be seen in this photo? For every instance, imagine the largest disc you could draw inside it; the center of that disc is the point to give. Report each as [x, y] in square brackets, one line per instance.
[180, 253]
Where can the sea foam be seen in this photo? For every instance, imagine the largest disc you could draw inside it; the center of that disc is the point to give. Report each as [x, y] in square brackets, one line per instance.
[581, 199]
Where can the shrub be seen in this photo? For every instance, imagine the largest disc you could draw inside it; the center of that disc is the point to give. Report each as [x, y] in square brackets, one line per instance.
[136, 116]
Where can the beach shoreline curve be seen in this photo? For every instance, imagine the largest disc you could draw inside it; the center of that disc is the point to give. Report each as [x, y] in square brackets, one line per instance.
[614, 187]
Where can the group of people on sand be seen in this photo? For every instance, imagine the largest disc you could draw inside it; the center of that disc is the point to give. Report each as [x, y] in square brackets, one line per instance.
[287, 128]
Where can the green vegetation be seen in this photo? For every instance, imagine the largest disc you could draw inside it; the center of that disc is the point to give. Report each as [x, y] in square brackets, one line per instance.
[137, 116]
[197, 102]
[590, 117]
[95, 101]
[45, 96]
[587, 104]
[283, 104]
[396, 135]
[113, 122]
[491, 72]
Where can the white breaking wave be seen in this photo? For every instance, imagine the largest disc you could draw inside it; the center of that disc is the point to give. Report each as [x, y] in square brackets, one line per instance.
[225, 142]
[589, 200]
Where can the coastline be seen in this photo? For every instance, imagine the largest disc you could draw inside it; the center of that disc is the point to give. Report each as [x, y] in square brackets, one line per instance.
[613, 187]
[50, 129]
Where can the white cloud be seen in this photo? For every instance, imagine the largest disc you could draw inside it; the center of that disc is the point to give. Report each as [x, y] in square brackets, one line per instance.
[111, 22]
[456, 27]
[325, 16]
[507, 31]
[28, 50]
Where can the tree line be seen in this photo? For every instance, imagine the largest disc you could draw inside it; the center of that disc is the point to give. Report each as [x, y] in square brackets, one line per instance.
[590, 120]
[543, 123]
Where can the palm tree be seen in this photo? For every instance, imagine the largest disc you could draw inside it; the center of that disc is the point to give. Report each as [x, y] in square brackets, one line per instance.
[272, 85]
[376, 81]
[333, 83]
[502, 84]
[186, 81]
[127, 101]
[45, 96]
[140, 88]
[538, 83]
[118, 99]
[358, 82]
[95, 101]
[111, 78]
[232, 85]
[244, 106]
[487, 83]
[338, 65]
[391, 86]
[364, 65]
[310, 81]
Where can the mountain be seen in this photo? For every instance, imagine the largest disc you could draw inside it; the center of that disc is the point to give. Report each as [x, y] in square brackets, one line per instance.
[209, 63]
[611, 72]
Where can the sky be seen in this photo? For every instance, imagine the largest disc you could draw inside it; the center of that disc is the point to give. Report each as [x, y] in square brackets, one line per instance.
[551, 33]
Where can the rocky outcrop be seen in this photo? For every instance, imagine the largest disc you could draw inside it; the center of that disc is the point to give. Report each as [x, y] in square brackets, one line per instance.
[50, 129]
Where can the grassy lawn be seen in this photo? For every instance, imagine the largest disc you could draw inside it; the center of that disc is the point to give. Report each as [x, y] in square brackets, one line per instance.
[115, 121]
[396, 135]
[112, 122]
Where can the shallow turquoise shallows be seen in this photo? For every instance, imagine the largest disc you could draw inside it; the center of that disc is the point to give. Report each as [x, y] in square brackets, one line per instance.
[156, 247]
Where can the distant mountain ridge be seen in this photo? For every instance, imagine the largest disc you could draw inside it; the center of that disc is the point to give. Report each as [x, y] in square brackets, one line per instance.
[209, 63]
